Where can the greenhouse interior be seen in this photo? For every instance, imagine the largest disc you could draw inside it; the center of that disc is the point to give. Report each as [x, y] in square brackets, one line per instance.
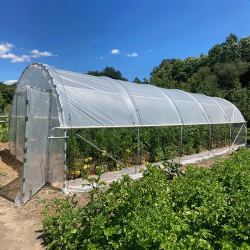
[50, 104]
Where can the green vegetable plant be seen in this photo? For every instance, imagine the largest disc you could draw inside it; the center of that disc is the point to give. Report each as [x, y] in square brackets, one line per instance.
[171, 169]
[95, 183]
[204, 209]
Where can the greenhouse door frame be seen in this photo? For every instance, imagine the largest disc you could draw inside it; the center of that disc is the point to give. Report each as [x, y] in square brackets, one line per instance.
[35, 159]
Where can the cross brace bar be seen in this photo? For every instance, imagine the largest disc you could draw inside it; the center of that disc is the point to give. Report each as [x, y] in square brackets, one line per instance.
[99, 149]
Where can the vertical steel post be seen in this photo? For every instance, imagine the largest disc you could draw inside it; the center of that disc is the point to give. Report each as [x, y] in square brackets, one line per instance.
[65, 147]
[48, 142]
[181, 144]
[138, 152]
[24, 149]
[230, 136]
[230, 127]
[210, 135]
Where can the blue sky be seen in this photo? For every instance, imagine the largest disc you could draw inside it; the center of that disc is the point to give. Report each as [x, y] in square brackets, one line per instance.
[132, 36]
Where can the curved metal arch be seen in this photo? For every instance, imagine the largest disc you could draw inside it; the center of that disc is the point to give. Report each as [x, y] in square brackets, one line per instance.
[223, 111]
[200, 106]
[171, 100]
[126, 95]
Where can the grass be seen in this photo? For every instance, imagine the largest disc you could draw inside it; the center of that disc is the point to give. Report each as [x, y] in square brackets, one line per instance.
[2, 213]
[41, 201]
[217, 158]
[2, 173]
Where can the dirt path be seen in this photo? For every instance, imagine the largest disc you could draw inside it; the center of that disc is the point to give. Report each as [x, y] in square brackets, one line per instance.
[18, 231]
[21, 227]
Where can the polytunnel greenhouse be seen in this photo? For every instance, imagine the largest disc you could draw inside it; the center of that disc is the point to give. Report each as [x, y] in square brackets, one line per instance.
[48, 102]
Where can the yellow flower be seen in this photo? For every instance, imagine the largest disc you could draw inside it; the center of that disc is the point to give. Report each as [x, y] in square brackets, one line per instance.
[90, 158]
[127, 151]
[85, 167]
[77, 173]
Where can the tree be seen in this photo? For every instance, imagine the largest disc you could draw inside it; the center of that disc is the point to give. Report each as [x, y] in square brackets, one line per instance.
[137, 80]
[229, 51]
[204, 82]
[7, 93]
[241, 98]
[228, 74]
[244, 49]
[109, 72]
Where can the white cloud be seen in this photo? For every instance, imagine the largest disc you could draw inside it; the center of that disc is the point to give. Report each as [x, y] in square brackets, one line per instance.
[22, 58]
[150, 50]
[115, 51]
[9, 55]
[5, 52]
[133, 54]
[9, 82]
[4, 49]
[36, 53]
[101, 57]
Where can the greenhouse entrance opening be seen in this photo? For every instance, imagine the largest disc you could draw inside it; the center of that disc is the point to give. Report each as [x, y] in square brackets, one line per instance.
[48, 102]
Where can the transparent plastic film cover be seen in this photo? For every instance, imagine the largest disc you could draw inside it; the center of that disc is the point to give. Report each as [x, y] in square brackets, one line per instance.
[56, 148]
[215, 113]
[89, 101]
[188, 108]
[36, 76]
[238, 134]
[153, 105]
[232, 112]
[13, 125]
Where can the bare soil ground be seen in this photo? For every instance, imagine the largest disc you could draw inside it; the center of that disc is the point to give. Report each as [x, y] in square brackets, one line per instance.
[20, 227]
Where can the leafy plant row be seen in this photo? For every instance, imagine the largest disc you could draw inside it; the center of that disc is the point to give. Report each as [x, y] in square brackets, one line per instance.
[4, 130]
[156, 144]
[205, 209]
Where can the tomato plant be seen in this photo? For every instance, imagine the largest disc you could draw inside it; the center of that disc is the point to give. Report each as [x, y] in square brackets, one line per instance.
[156, 144]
